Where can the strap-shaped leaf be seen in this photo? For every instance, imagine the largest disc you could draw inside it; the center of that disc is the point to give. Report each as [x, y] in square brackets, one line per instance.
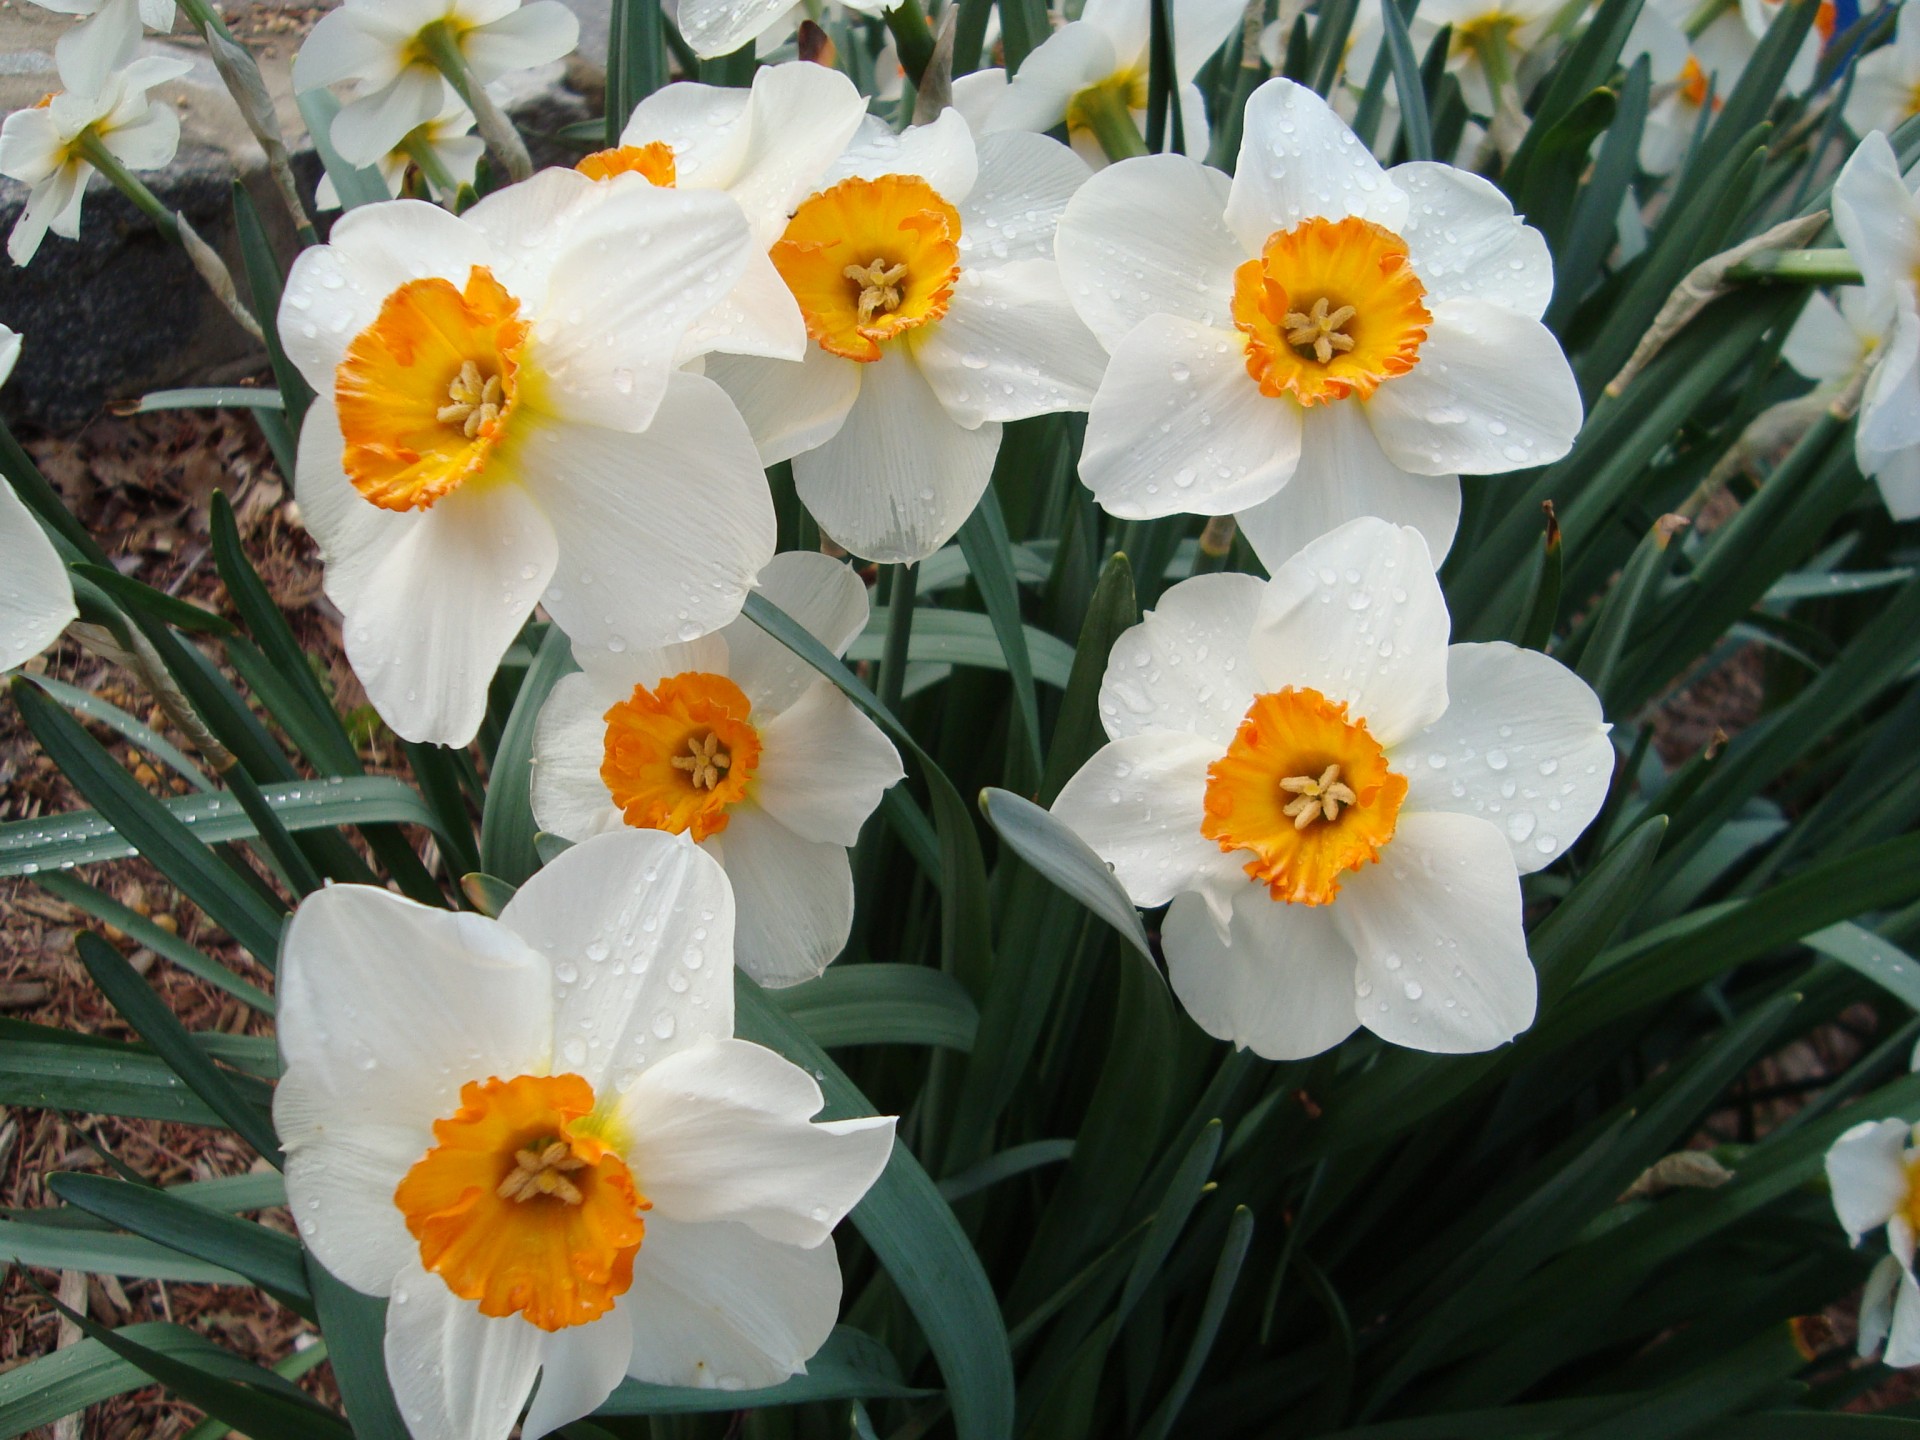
[506, 822]
[1064, 858]
[983, 540]
[881, 1005]
[850, 1366]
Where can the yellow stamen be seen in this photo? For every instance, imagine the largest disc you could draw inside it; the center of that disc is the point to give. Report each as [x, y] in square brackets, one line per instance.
[1317, 798]
[879, 287]
[704, 761]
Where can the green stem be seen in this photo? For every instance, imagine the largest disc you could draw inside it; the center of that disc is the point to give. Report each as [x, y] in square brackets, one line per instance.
[893, 662]
[1799, 267]
[1495, 59]
[1106, 114]
[912, 39]
[423, 155]
[149, 204]
[1704, 14]
[440, 46]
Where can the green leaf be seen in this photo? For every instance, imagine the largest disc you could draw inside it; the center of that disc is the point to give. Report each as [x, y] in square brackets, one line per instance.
[851, 1365]
[1226, 1274]
[1414, 125]
[506, 821]
[989, 553]
[962, 637]
[356, 186]
[264, 281]
[209, 397]
[159, 605]
[164, 943]
[1879, 959]
[100, 1252]
[1014, 1160]
[161, 1028]
[1077, 731]
[266, 1257]
[881, 1005]
[916, 1237]
[94, 708]
[104, 1079]
[1176, 1207]
[355, 1326]
[1065, 859]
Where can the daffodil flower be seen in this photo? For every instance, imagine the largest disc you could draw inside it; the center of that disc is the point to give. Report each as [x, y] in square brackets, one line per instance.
[101, 117]
[1338, 804]
[36, 597]
[1314, 339]
[739, 744]
[767, 147]
[1873, 1172]
[719, 27]
[1886, 82]
[452, 153]
[383, 48]
[154, 14]
[539, 1138]
[923, 270]
[1103, 58]
[501, 422]
[1876, 324]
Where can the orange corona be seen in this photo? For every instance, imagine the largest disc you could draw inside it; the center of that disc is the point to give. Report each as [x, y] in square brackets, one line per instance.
[1307, 790]
[521, 1208]
[652, 161]
[680, 755]
[869, 260]
[1330, 309]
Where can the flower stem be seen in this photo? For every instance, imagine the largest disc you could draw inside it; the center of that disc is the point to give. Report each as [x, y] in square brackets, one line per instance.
[427, 160]
[437, 42]
[1799, 267]
[1106, 114]
[127, 183]
[1216, 545]
[893, 661]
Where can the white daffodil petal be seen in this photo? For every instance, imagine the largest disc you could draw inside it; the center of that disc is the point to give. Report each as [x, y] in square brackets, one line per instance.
[1867, 1174]
[1074, 57]
[1185, 666]
[370, 252]
[432, 598]
[1876, 215]
[1492, 392]
[1179, 427]
[148, 143]
[1358, 616]
[10, 343]
[704, 127]
[36, 597]
[795, 897]
[1903, 1339]
[456, 1374]
[1876, 1306]
[1009, 347]
[569, 746]
[1015, 205]
[757, 317]
[341, 47]
[828, 599]
[660, 533]
[1127, 24]
[1822, 345]
[1465, 240]
[1147, 237]
[900, 476]
[1890, 408]
[340, 1179]
[1200, 27]
[724, 1132]
[719, 27]
[389, 1006]
[789, 408]
[1298, 160]
[975, 95]
[1436, 925]
[1280, 984]
[367, 128]
[535, 34]
[579, 1368]
[824, 767]
[720, 1306]
[522, 225]
[653, 903]
[611, 328]
[1897, 473]
[1344, 474]
[1139, 804]
[941, 153]
[1523, 745]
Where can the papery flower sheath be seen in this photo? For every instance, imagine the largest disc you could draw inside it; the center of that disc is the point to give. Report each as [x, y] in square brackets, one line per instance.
[1338, 804]
[501, 422]
[36, 597]
[767, 147]
[922, 266]
[376, 47]
[102, 114]
[538, 1137]
[1313, 340]
[738, 743]
[1873, 1171]
[1106, 49]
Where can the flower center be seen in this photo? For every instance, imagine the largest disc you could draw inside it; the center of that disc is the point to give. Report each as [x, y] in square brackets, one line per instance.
[1307, 790]
[1692, 84]
[679, 756]
[426, 391]
[1330, 309]
[522, 1207]
[868, 260]
[654, 161]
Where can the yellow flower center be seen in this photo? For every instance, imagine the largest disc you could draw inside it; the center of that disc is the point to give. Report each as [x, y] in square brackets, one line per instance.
[1307, 790]
[868, 260]
[653, 160]
[1129, 87]
[680, 755]
[1330, 309]
[425, 392]
[521, 1207]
